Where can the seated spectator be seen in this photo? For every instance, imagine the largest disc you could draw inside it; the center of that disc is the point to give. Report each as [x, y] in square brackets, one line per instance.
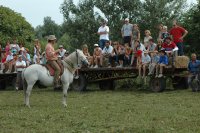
[146, 59]
[3, 60]
[87, 54]
[26, 57]
[164, 34]
[193, 68]
[62, 51]
[152, 46]
[10, 62]
[107, 50]
[163, 62]
[121, 52]
[20, 65]
[138, 51]
[14, 49]
[127, 56]
[154, 61]
[8, 47]
[97, 55]
[37, 58]
[114, 54]
[159, 45]
[169, 46]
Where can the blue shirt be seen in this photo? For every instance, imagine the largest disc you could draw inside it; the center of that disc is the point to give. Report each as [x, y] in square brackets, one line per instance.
[193, 67]
[155, 59]
[163, 60]
[146, 59]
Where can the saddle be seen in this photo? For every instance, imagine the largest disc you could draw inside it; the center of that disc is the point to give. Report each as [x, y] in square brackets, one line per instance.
[52, 71]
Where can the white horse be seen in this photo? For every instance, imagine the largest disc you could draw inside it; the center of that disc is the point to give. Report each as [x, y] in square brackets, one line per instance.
[39, 73]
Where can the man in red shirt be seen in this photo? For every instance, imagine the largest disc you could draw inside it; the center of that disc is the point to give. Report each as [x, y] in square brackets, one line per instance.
[178, 33]
[169, 45]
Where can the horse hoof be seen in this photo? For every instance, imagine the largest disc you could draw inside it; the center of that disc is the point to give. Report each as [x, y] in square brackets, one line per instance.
[65, 105]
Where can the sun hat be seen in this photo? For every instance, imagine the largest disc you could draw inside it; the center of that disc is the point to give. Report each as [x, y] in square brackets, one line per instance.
[51, 37]
[60, 46]
[96, 45]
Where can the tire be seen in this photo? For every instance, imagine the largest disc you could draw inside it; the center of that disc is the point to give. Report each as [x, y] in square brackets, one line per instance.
[79, 84]
[157, 84]
[107, 85]
[2, 85]
[180, 82]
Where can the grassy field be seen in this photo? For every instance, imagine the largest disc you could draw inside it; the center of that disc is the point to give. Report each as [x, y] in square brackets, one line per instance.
[135, 111]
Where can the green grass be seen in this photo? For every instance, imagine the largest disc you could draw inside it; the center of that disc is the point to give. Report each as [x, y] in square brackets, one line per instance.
[101, 111]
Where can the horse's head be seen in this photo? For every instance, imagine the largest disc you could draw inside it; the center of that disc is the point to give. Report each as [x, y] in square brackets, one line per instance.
[81, 58]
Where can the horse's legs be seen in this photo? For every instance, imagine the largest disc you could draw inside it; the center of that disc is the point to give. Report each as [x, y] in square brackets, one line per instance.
[27, 94]
[65, 88]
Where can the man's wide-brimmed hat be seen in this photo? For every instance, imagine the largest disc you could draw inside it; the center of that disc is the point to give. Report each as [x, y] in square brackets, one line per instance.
[51, 37]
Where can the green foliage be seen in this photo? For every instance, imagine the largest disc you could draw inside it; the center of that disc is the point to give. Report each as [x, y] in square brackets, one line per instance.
[13, 25]
[49, 27]
[191, 22]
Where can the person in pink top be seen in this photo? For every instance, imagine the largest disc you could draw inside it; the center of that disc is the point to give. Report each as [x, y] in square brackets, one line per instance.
[52, 58]
[178, 33]
[7, 48]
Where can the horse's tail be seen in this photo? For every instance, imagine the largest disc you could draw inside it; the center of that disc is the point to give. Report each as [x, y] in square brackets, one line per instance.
[24, 81]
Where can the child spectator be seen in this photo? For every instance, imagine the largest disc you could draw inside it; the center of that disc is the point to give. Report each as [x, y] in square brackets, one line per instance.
[154, 61]
[138, 51]
[61, 52]
[147, 38]
[152, 46]
[159, 45]
[97, 56]
[165, 34]
[127, 57]
[26, 57]
[163, 62]
[114, 53]
[121, 52]
[146, 59]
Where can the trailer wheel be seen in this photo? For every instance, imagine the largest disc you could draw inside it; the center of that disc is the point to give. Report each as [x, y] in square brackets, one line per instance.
[180, 82]
[157, 84]
[107, 85]
[2, 85]
[195, 85]
[79, 84]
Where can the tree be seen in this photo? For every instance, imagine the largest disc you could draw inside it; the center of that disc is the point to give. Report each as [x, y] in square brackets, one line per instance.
[13, 25]
[191, 22]
[49, 27]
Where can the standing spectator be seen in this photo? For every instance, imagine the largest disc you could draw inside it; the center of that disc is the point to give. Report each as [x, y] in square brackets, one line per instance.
[160, 27]
[20, 65]
[97, 55]
[193, 68]
[178, 33]
[15, 45]
[147, 38]
[136, 34]
[146, 59]
[37, 46]
[62, 51]
[127, 32]
[103, 31]
[37, 58]
[165, 33]
[8, 47]
[163, 62]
